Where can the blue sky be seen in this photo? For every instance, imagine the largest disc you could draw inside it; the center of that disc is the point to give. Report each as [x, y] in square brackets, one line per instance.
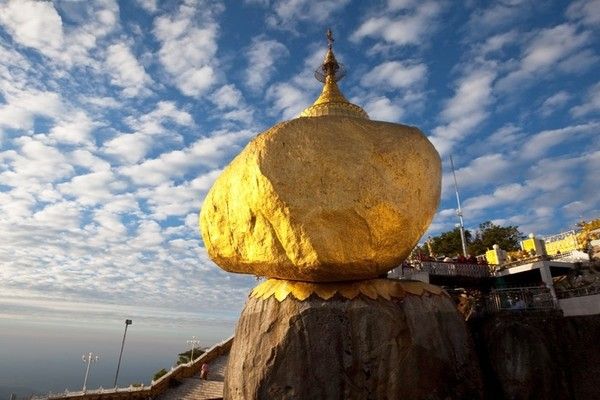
[116, 117]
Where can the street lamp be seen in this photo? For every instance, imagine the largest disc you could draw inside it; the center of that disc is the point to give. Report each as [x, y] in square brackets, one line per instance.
[88, 359]
[194, 342]
[127, 323]
[459, 214]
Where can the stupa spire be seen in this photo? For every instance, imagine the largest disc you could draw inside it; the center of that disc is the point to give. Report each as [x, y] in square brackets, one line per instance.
[332, 101]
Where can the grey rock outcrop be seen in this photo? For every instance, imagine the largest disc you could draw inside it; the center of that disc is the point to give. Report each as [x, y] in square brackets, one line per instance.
[411, 348]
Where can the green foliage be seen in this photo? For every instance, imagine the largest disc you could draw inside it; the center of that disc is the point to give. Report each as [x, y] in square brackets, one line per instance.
[489, 234]
[185, 357]
[448, 243]
[159, 373]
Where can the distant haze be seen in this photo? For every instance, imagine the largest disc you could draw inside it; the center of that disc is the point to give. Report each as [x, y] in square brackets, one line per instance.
[41, 343]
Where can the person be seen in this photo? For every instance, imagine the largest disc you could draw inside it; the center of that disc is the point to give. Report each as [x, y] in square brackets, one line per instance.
[204, 371]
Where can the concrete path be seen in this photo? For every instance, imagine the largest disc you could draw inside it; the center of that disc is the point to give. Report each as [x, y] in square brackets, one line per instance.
[194, 388]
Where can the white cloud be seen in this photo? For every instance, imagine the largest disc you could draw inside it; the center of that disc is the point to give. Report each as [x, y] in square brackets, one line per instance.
[38, 25]
[381, 108]
[102, 102]
[93, 188]
[288, 99]
[408, 28]
[263, 55]
[33, 24]
[63, 215]
[86, 159]
[126, 71]
[148, 5]
[541, 142]
[588, 11]
[129, 147]
[207, 152]
[22, 107]
[227, 96]
[514, 192]
[189, 46]
[591, 103]
[498, 15]
[578, 62]
[392, 75]
[554, 102]
[472, 94]
[74, 129]
[505, 137]
[546, 49]
[286, 13]
[465, 110]
[231, 105]
[35, 160]
[149, 128]
[496, 42]
[179, 200]
[551, 45]
[244, 115]
[487, 169]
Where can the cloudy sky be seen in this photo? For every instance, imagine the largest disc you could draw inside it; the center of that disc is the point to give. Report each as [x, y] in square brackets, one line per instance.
[116, 117]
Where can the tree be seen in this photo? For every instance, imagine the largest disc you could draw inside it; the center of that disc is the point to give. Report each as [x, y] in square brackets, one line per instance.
[489, 234]
[186, 356]
[448, 243]
[159, 373]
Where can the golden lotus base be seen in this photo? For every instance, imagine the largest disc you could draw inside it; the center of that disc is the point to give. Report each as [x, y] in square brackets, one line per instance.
[373, 288]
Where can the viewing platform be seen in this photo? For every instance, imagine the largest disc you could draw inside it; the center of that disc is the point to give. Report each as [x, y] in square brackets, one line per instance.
[444, 273]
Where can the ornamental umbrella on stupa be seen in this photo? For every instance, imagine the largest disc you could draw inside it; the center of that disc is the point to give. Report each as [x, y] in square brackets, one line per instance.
[323, 206]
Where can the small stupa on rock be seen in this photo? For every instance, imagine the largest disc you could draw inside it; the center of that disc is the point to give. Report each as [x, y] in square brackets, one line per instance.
[326, 197]
[324, 205]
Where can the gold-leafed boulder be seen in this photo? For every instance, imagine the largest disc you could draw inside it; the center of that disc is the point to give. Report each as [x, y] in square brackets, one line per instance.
[329, 196]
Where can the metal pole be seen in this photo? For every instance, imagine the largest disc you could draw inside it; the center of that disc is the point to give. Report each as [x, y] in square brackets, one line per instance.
[459, 212]
[87, 369]
[193, 342]
[127, 323]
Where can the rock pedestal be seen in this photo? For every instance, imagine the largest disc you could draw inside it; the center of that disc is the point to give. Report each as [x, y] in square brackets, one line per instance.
[409, 347]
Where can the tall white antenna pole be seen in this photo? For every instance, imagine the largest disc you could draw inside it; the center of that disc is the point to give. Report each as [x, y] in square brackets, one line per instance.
[459, 211]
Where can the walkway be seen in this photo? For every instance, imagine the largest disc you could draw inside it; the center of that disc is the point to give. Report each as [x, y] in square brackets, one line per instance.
[194, 388]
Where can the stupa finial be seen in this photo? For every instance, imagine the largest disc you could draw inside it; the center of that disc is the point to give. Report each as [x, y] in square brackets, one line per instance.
[331, 67]
[330, 38]
[332, 101]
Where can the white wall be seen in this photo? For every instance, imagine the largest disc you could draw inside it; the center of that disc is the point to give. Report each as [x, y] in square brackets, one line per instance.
[584, 305]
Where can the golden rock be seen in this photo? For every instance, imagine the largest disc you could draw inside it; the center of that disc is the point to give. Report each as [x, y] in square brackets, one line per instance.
[330, 196]
[323, 199]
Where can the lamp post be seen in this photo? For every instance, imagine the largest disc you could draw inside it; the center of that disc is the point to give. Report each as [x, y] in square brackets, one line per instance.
[459, 214]
[127, 323]
[88, 359]
[194, 342]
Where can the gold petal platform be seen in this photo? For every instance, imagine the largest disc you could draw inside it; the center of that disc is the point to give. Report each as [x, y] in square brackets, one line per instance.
[374, 288]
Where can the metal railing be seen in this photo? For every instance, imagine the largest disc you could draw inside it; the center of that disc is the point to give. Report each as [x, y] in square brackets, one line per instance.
[448, 269]
[516, 263]
[520, 298]
[139, 392]
[587, 290]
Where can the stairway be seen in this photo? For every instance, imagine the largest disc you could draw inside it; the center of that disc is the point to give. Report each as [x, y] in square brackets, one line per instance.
[194, 388]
